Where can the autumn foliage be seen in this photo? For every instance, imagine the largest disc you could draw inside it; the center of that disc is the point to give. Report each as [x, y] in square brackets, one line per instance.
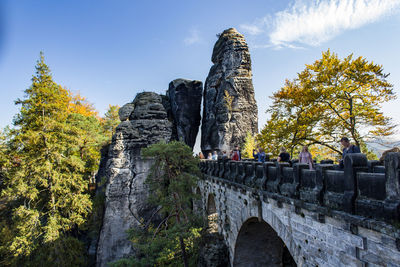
[329, 99]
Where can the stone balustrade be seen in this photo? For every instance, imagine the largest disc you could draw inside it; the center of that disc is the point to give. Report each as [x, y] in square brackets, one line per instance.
[361, 188]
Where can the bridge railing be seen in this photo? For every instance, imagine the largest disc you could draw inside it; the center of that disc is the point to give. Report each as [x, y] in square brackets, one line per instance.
[362, 187]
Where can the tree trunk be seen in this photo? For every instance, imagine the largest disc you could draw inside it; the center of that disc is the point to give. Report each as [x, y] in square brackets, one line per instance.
[182, 243]
[184, 256]
[353, 124]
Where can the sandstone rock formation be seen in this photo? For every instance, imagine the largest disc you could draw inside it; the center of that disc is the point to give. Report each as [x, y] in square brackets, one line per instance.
[125, 111]
[185, 100]
[229, 112]
[229, 107]
[213, 251]
[126, 193]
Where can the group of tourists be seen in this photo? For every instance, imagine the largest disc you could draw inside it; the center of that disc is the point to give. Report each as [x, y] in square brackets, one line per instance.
[306, 157]
[303, 157]
[233, 155]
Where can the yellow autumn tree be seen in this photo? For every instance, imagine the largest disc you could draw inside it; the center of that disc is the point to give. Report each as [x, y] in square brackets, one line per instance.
[80, 105]
[249, 145]
[330, 98]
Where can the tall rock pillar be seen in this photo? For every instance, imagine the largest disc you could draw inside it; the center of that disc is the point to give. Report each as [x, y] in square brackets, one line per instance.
[229, 107]
[144, 122]
[185, 105]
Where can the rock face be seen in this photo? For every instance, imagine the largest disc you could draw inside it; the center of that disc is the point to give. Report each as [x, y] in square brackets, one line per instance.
[126, 193]
[185, 103]
[229, 112]
[229, 107]
[213, 251]
[125, 111]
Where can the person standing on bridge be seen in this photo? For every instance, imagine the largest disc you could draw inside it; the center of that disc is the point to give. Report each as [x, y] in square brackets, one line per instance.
[261, 155]
[348, 148]
[306, 157]
[224, 155]
[283, 156]
[236, 154]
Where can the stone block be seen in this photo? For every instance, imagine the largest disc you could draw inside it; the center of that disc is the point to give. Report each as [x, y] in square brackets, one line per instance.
[263, 183]
[221, 168]
[372, 164]
[309, 190]
[227, 170]
[379, 169]
[371, 196]
[288, 184]
[215, 171]
[250, 173]
[334, 191]
[259, 176]
[347, 260]
[233, 170]
[241, 173]
[353, 163]
[272, 179]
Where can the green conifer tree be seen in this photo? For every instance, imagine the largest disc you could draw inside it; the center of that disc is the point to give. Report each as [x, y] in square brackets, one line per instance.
[50, 153]
[110, 120]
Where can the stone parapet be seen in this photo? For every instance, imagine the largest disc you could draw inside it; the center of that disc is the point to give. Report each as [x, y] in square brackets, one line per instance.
[362, 188]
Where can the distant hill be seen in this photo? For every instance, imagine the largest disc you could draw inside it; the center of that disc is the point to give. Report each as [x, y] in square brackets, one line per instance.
[379, 146]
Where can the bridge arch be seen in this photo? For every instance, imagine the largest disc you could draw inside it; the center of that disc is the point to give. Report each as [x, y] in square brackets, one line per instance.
[257, 244]
[211, 207]
[212, 214]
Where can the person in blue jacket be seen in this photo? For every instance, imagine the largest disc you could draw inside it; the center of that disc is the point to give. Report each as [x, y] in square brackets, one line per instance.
[261, 155]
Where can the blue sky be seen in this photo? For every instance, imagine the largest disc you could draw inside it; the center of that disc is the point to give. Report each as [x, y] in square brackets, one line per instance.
[111, 50]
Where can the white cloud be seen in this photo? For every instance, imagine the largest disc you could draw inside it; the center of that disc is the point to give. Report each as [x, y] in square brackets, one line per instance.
[256, 28]
[251, 29]
[314, 22]
[193, 37]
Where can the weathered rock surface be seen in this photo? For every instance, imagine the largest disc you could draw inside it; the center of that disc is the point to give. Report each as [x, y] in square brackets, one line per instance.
[225, 125]
[125, 111]
[126, 193]
[185, 104]
[213, 251]
[97, 214]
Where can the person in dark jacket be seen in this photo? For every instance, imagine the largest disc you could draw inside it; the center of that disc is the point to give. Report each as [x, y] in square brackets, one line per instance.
[348, 148]
[283, 156]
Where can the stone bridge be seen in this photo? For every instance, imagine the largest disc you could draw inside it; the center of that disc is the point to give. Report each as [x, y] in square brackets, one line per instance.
[274, 214]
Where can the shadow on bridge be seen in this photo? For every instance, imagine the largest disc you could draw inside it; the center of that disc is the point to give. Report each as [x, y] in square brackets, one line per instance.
[259, 245]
